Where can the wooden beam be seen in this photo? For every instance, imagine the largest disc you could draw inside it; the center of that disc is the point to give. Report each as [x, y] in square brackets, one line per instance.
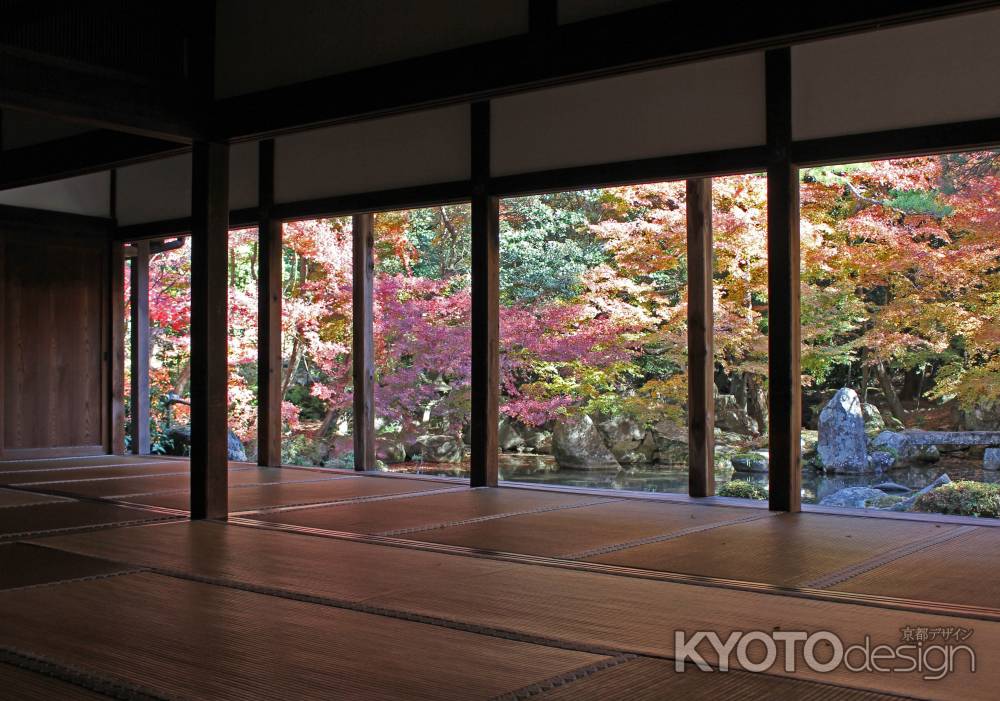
[139, 292]
[701, 363]
[643, 170]
[896, 143]
[269, 267]
[209, 330]
[484, 468]
[785, 392]
[628, 41]
[364, 342]
[86, 93]
[90, 152]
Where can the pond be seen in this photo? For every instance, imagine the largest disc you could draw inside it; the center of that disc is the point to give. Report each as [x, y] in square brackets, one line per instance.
[673, 479]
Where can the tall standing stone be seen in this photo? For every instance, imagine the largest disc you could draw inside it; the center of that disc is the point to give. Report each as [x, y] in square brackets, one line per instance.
[842, 443]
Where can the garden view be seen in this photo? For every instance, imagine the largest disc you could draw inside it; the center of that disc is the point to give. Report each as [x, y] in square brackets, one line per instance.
[900, 357]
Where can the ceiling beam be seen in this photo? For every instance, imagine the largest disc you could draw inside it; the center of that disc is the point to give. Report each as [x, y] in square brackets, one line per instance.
[658, 35]
[75, 91]
[90, 152]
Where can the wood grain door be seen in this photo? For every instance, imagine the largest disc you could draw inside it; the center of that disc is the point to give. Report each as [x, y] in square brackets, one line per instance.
[54, 323]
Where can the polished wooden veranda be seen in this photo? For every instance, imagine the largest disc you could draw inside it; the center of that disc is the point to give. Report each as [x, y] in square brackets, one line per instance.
[329, 584]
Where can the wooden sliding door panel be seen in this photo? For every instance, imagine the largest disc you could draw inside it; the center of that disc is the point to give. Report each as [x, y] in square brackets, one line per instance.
[53, 344]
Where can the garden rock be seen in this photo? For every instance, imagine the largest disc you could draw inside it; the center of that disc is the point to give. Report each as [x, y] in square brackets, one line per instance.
[881, 460]
[991, 459]
[908, 503]
[577, 444]
[874, 423]
[892, 487]
[390, 451]
[180, 436]
[440, 448]
[984, 416]
[853, 497]
[842, 442]
[905, 450]
[750, 462]
[623, 436]
[730, 416]
[509, 436]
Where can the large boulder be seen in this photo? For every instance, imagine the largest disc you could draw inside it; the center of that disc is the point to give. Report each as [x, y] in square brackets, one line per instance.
[180, 437]
[854, 497]
[577, 444]
[731, 416]
[509, 435]
[750, 462]
[667, 443]
[983, 416]
[625, 438]
[390, 450]
[904, 449]
[874, 423]
[440, 448]
[842, 444]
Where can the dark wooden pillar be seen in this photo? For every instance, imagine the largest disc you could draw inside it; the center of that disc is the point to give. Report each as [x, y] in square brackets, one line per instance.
[209, 330]
[116, 331]
[785, 396]
[269, 267]
[701, 364]
[139, 302]
[484, 468]
[116, 353]
[364, 342]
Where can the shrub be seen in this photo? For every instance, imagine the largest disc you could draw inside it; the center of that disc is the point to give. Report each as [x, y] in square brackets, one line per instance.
[741, 489]
[884, 502]
[964, 498]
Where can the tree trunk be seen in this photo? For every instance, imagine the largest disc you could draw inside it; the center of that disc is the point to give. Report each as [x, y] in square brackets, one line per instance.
[885, 382]
[293, 363]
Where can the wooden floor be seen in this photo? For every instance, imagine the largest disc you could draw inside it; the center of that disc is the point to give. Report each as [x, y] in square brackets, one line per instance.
[327, 585]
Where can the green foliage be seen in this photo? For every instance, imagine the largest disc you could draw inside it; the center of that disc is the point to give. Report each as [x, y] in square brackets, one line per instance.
[919, 202]
[884, 502]
[741, 489]
[533, 266]
[963, 498]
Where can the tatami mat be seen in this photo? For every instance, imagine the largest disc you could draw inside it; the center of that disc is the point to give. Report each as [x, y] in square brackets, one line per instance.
[561, 533]
[646, 679]
[12, 498]
[603, 610]
[193, 640]
[151, 469]
[88, 461]
[293, 494]
[963, 571]
[301, 563]
[403, 516]
[23, 565]
[154, 484]
[22, 685]
[27, 520]
[784, 550]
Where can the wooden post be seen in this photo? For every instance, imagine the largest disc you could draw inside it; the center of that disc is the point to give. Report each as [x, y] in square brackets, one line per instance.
[484, 468]
[209, 330]
[785, 396]
[701, 363]
[139, 292]
[364, 342]
[116, 321]
[116, 328]
[269, 268]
